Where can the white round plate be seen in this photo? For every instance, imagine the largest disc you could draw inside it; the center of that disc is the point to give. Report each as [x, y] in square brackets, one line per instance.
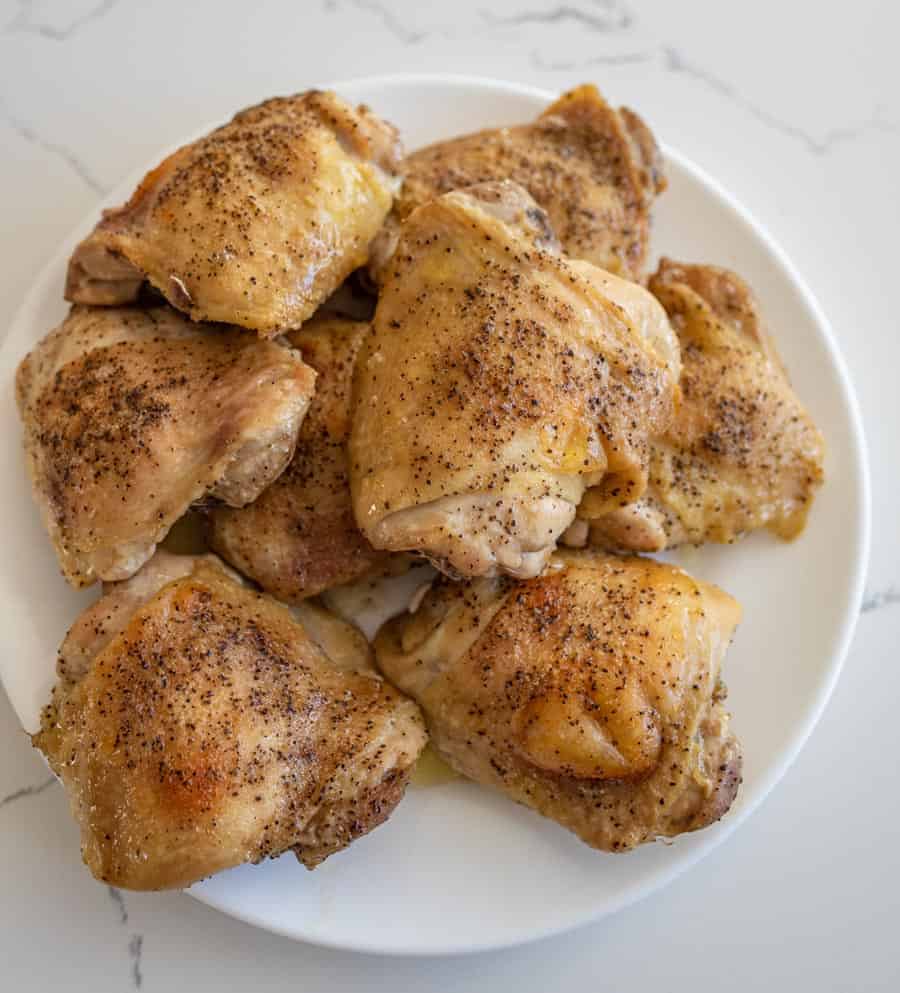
[458, 868]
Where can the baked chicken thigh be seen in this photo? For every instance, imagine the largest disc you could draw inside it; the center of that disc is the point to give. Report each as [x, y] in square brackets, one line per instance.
[742, 452]
[198, 725]
[595, 171]
[132, 415]
[254, 224]
[499, 380]
[299, 537]
[591, 694]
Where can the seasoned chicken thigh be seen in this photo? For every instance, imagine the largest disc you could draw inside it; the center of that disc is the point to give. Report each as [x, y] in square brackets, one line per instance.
[254, 224]
[742, 452]
[198, 725]
[499, 380]
[591, 693]
[595, 171]
[132, 415]
[299, 537]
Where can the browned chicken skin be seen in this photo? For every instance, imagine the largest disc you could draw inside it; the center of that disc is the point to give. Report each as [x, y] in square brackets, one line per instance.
[499, 380]
[591, 693]
[132, 415]
[198, 726]
[254, 224]
[742, 453]
[594, 170]
[514, 386]
[299, 537]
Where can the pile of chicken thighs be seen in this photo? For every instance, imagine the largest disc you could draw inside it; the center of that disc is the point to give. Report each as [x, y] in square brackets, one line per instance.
[345, 362]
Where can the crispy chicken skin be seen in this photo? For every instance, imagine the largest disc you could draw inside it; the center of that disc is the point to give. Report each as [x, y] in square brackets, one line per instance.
[594, 170]
[591, 693]
[299, 537]
[254, 224]
[500, 379]
[132, 415]
[742, 452]
[198, 725]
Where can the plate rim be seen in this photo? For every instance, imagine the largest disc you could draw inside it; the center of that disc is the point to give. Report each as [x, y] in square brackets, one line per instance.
[862, 487]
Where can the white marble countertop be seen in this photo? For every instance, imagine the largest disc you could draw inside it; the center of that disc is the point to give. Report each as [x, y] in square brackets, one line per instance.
[795, 108]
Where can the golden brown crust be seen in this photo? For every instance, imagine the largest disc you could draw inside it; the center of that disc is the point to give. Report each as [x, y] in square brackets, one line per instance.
[334, 828]
[254, 224]
[131, 415]
[590, 693]
[499, 379]
[594, 170]
[742, 452]
[727, 295]
[299, 537]
[211, 730]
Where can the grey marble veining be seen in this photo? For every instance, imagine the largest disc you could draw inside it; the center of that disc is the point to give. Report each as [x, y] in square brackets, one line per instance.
[674, 61]
[409, 24]
[59, 23]
[390, 21]
[27, 133]
[135, 940]
[889, 597]
[607, 61]
[25, 791]
[810, 872]
[601, 18]
[135, 951]
[119, 900]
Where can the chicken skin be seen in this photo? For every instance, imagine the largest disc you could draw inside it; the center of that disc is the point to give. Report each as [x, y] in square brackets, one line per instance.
[595, 171]
[198, 725]
[590, 694]
[132, 415]
[498, 381]
[742, 453]
[254, 224]
[299, 537]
